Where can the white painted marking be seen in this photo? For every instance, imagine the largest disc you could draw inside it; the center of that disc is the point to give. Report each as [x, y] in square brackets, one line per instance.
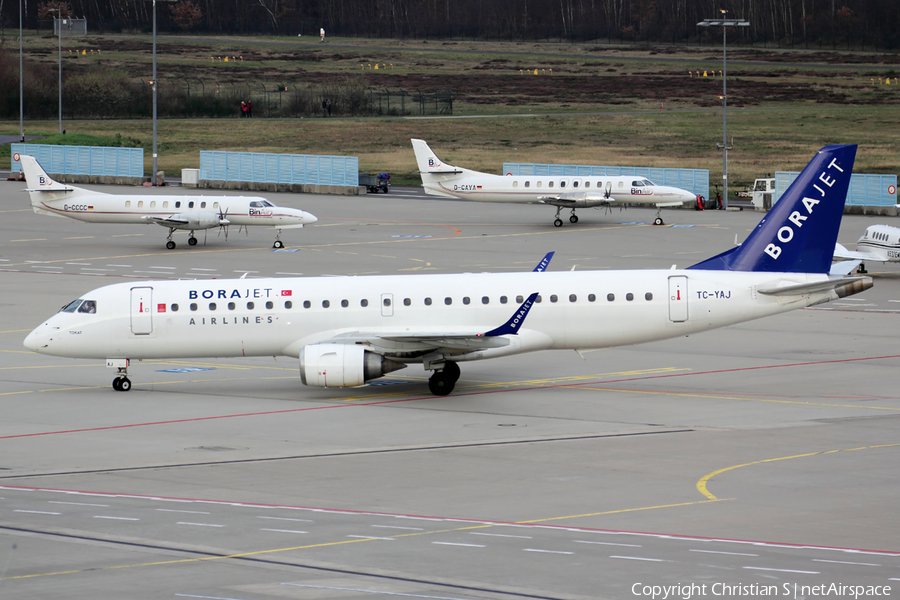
[523, 537]
[370, 537]
[844, 562]
[155, 267]
[285, 530]
[782, 570]
[322, 587]
[200, 269]
[78, 263]
[608, 544]
[155, 272]
[287, 519]
[191, 512]
[281, 273]
[546, 551]
[639, 558]
[242, 271]
[46, 267]
[37, 512]
[77, 503]
[95, 269]
[456, 544]
[34, 261]
[116, 518]
[720, 552]
[399, 527]
[199, 524]
[129, 266]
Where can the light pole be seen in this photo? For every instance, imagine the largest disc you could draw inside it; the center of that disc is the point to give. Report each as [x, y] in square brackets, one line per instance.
[724, 24]
[21, 80]
[58, 24]
[155, 85]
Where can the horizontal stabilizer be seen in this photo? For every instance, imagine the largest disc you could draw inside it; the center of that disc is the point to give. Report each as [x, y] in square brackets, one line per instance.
[838, 284]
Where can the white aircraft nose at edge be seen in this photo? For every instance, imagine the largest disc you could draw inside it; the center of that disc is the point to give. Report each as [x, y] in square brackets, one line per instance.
[441, 179]
[191, 213]
[878, 243]
[349, 330]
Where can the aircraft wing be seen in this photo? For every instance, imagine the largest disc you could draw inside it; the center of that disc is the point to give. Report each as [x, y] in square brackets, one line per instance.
[841, 252]
[430, 339]
[169, 221]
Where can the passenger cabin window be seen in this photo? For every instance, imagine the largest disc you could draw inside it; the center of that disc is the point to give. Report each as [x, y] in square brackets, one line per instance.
[503, 299]
[592, 297]
[611, 297]
[250, 306]
[364, 303]
[325, 303]
[407, 302]
[448, 301]
[140, 203]
[215, 205]
[203, 205]
[466, 300]
[345, 303]
[527, 184]
[427, 301]
[587, 184]
[128, 204]
[288, 304]
[307, 304]
[193, 306]
[553, 298]
[629, 296]
[648, 296]
[191, 204]
[270, 305]
[562, 184]
[88, 306]
[485, 300]
[212, 306]
[165, 204]
[573, 298]
[386, 302]
[174, 308]
[540, 183]
[153, 204]
[549, 184]
[575, 184]
[178, 204]
[231, 306]
[515, 184]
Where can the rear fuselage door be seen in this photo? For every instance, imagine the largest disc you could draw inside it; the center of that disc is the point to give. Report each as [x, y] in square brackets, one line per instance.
[141, 315]
[678, 301]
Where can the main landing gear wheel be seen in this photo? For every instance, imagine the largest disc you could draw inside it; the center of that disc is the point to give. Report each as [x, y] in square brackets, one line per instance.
[658, 221]
[278, 244]
[192, 241]
[573, 218]
[557, 222]
[443, 381]
[171, 245]
[121, 384]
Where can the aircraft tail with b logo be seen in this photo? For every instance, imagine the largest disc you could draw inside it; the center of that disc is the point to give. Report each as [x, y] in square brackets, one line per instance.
[799, 233]
[42, 188]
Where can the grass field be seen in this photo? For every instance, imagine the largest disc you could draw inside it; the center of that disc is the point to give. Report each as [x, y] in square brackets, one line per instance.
[601, 105]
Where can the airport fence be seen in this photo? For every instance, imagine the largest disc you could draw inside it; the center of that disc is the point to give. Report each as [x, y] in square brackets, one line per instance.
[82, 160]
[259, 167]
[695, 181]
[865, 189]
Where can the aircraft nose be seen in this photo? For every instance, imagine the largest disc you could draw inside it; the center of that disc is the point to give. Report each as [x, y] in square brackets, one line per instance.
[37, 340]
[307, 218]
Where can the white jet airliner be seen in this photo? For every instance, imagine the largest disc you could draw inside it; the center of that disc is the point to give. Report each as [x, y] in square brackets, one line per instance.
[441, 179]
[348, 330]
[879, 243]
[49, 197]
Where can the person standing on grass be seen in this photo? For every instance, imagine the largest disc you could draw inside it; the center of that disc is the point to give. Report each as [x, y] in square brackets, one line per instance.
[322, 33]
[243, 109]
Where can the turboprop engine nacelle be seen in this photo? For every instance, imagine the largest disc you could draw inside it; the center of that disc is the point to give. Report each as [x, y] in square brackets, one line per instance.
[203, 220]
[342, 365]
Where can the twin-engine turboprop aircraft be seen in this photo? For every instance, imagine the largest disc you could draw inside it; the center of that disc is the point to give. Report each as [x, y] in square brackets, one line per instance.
[348, 330]
[441, 179]
[49, 197]
[879, 243]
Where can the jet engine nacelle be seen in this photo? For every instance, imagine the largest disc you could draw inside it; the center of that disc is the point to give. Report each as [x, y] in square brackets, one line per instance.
[342, 365]
[205, 220]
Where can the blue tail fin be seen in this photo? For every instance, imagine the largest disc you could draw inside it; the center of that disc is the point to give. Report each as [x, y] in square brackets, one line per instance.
[799, 233]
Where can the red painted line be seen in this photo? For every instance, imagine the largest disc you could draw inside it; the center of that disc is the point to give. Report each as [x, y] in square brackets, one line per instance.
[401, 400]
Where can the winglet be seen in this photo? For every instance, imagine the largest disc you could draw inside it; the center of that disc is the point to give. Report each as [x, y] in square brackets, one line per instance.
[799, 233]
[511, 327]
[542, 266]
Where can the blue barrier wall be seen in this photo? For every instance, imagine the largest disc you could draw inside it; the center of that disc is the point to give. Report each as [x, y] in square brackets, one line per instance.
[695, 181]
[279, 168]
[83, 160]
[865, 190]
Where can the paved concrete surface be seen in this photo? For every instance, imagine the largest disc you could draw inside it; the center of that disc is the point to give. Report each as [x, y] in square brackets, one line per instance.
[763, 454]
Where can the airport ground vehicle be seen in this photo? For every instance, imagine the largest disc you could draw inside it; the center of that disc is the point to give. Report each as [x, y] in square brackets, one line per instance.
[373, 183]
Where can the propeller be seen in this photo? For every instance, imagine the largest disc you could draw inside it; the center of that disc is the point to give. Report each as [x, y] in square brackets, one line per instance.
[223, 223]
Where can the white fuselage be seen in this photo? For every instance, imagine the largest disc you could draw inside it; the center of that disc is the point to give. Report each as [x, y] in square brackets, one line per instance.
[150, 209]
[272, 317]
[580, 192]
[881, 241]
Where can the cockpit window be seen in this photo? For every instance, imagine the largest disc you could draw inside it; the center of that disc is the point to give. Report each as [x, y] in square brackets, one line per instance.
[71, 306]
[642, 183]
[261, 203]
[88, 306]
[647, 182]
